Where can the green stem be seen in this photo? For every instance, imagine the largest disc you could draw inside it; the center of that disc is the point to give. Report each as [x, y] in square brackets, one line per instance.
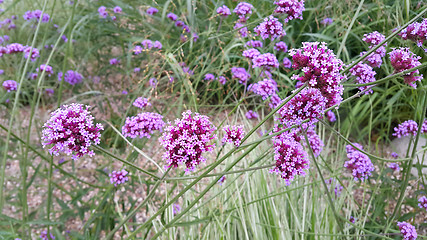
[349, 28]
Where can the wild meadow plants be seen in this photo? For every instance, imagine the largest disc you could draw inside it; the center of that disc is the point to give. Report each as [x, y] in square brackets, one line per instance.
[212, 120]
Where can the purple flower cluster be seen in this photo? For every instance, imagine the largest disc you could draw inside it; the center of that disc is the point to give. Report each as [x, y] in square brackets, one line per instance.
[142, 125]
[321, 70]
[4, 39]
[8, 21]
[359, 163]
[209, 77]
[117, 9]
[102, 10]
[402, 59]
[223, 11]
[48, 69]
[119, 177]
[233, 134]
[281, 46]
[153, 82]
[251, 114]
[243, 31]
[373, 39]
[326, 21]
[251, 53]
[291, 159]
[187, 140]
[242, 10]
[10, 85]
[293, 8]
[265, 88]
[416, 32]
[32, 53]
[152, 10]
[270, 28]
[44, 236]
[141, 102]
[173, 17]
[406, 128]
[422, 202]
[331, 182]
[266, 60]
[364, 74]
[241, 74]
[114, 61]
[308, 104]
[71, 77]
[407, 230]
[393, 166]
[222, 80]
[37, 15]
[314, 141]
[331, 116]
[71, 129]
[287, 63]
[254, 44]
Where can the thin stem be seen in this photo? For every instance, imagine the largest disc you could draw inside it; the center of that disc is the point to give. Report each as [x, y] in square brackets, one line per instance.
[349, 28]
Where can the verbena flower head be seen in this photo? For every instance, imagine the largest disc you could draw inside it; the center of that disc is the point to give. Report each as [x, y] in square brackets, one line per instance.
[44, 236]
[243, 31]
[241, 74]
[157, 45]
[114, 61]
[333, 183]
[326, 21]
[287, 63]
[243, 9]
[221, 180]
[152, 10]
[37, 15]
[103, 12]
[251, 114]
[187, 139]
[291, 159]
[394, 155]
[281, 46]
[49, 92]
[331, 116]
[71, 77]
[316, 144]
[416, 32]
[293, 8]
[360, 164]
[270, 28]
[176, 208]
[153, 82]
[209, 77]
[364, 74]
[321, 70]
[407, 230]
[308, 104]
[179, 23]
[71, 129]
[251, 53]
[48, 69]
[142, 125]
[141, 102]
[254, 44]
[14, 48]
[147, 44]
[424, 126]
[10, 85]
[222, 80]
[406, 128]
[223, 11]
[119, 177]
[137, 50]
[266, 60]
[32, 53]
[233, 134]
[402, 59]
[265, 88]
[172, 16]
[393, 166]
[422, 202]
[374, 38]
[117, 9]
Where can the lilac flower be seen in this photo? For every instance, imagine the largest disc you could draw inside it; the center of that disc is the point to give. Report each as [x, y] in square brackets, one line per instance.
[287, 63]
[71, 129]
[103, 12]
[221, 180]
[114, 61]
[393, 166]
[254, 43]
[270, 28]
[405, 129]
[117, 9]
[172, 16]
[291, 159]
[176, 208]
[321, 70]
[281, 46]
[265, 88]
[359, 163]
[293, 8]
[137, 50]
[402, 59]
[157, 45]
[48, 69]
[141, 102]
[316, 144]
[223, 11]
[32, 53]
[422, 202]
[326, 21]
[394, 155]
[44, 236]
[416, 32]
[222, 80]
[187, 140]
[136, 70]
[209, 76]
[233, 134]
[152, 10]
[251, 114]
[119, 177]
[243, 31]
[364, 74]
[407, 230]
[331, 116]
[331, 182]
[142, 125]
[49, 92]
[179, 23]
[265, 60]
[71, 77]
[242, 9]
[251, 53]
[10, 85]
[308, 104]
[153, 82]
[241, 74]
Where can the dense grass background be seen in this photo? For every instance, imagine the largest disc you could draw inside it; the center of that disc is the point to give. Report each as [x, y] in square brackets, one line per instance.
[251, 204]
